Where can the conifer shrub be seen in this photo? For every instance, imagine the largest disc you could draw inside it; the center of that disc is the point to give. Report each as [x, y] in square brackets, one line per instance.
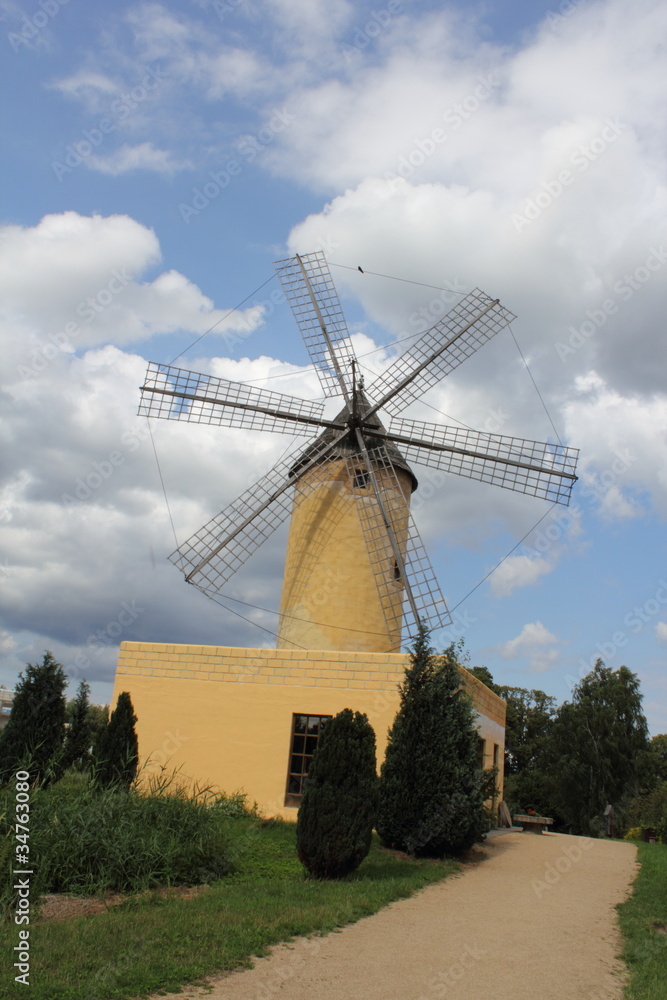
[431, 797]
[33, 736]
[339, 803]
[117, 749]
[76, 748]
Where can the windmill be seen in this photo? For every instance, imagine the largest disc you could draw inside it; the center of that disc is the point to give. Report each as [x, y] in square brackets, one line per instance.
[356, 569]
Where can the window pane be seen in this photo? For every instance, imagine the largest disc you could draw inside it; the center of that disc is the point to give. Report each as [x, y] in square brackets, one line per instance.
[306, 730]
[296, 764]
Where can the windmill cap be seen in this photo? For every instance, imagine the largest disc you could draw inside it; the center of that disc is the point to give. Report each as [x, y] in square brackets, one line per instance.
[348, 447]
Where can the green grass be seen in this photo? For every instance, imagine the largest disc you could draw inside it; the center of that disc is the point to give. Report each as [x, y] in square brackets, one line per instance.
[149, 943]
[645, 948]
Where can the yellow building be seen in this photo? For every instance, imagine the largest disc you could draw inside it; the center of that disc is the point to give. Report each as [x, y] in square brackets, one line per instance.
[249, 719]
[235, 717]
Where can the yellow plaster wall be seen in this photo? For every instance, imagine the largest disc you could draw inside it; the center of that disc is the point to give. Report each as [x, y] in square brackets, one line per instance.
[223, 715]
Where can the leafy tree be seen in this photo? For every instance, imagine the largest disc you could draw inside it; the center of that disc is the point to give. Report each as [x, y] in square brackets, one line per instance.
[34, 734]
[98, 717]
[483, 674]
[599, 747]
[78, 738]
[659, 750]
[530, 716]
[431, 799]
[117, 750]
[339, 803]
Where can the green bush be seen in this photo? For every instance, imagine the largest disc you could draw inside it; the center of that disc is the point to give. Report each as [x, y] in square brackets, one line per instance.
[431, 798]
[84, 840]
[339, 803]
[117, 750]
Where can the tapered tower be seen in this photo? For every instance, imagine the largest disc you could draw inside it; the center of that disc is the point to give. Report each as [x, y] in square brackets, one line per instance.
[339, 591]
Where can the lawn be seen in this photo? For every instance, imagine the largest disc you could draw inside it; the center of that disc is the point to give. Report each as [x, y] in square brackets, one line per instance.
[149, 943]
[644, 925]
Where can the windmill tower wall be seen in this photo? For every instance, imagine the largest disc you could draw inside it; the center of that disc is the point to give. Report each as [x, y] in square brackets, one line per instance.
[330, 597]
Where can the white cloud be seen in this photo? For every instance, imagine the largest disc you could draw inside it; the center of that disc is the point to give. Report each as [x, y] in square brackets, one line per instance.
[141, 157]
[623, 445]
[532, 642]
[74, 281]
[516, 572]
[661, 631]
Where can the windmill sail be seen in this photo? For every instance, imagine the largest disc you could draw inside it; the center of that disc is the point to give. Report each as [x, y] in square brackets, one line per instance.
[312, 296]
[472, 321]
[354, 468]
[533, 467]
[177, 394]
[214, 553]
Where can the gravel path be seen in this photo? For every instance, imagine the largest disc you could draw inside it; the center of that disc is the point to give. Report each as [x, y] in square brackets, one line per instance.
[534, 921]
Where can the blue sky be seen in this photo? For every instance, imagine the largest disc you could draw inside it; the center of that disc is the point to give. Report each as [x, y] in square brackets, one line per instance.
[160, 156]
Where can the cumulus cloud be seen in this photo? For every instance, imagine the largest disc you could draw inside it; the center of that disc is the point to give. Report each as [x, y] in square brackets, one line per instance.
[440, 156]
[534, 642]
[661, 631]
[623, 447]
[84, 525]
[141, 157]
[74, 281]
[517, 572]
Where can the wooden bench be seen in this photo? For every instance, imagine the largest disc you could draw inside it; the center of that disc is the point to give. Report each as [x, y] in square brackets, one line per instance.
[535, 824]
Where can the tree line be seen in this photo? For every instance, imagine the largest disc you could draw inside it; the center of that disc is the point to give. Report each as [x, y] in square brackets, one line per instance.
[572, 761]
[47, 736]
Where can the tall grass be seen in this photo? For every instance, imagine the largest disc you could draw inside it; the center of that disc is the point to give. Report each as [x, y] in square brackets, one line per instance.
[86, 840]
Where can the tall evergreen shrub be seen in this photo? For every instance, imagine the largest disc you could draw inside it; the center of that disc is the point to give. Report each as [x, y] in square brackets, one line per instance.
[33, 736]
[339, 802]
[431, 798]
[117, 750]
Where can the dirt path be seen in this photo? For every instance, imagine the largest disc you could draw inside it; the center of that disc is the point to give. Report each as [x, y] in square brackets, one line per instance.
[536, 919]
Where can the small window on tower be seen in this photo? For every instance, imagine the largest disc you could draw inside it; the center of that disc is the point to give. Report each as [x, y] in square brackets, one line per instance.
[361, 479]
[397, 570]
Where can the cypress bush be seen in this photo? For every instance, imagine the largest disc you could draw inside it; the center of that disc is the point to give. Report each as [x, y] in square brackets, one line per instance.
[76, 750]
[117, 750]
[33, 736]
[339, 802]
[431, 798]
